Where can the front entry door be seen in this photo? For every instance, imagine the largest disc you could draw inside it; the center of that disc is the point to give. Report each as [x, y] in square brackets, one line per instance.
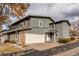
[51, 37]
[22, 38]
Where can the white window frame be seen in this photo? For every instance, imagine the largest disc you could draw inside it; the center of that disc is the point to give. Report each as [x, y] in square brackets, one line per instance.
[53, 27]
[41, 23]
[57, 34]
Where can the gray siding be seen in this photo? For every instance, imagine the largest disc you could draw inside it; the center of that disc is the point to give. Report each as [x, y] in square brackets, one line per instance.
[38, 30]
[59, 28]
[35, 22]
[12, 37]
[63, 29]
[35, 26]
[23, 24]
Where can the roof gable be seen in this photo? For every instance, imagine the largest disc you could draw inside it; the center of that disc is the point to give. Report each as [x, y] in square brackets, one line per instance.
[34, 16]
[31, 16]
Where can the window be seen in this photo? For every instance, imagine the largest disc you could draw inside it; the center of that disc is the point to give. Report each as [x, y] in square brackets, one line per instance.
[57, 34]
[52, 26]
[23, 24]
[40, 23]
[14, 27]
[20, 25]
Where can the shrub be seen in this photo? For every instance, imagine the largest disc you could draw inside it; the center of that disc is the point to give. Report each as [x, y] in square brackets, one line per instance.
[64, 40]
[72, 38]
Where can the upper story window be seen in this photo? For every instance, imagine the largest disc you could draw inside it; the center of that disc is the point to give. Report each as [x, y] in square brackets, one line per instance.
[14, 27]
[57, 34]
[40, 23]
[52, 25]
[20, 25]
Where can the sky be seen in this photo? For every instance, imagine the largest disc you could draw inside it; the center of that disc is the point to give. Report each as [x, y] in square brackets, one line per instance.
[57, 11]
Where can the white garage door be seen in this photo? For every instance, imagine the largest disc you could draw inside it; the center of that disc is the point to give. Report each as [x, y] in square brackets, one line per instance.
[34, 38]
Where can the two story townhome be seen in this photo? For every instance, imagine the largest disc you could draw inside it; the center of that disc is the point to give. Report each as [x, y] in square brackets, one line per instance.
[37, 29]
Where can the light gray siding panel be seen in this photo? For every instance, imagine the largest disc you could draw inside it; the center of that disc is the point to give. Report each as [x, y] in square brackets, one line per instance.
[35, 25]
[59, 28]
[23, 24]
[35, 22]
[63, 29]
[12, 37]
[38, 30]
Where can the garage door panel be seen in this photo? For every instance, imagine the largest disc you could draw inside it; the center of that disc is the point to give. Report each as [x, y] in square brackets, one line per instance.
[34, 38]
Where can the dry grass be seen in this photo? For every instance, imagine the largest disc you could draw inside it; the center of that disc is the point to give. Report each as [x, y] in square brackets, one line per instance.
[7, 48]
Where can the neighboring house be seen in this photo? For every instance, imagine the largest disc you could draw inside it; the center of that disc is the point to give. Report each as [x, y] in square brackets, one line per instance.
[37, 29]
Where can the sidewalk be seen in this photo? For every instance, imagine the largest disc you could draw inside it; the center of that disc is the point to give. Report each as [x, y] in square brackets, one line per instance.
[69, 52]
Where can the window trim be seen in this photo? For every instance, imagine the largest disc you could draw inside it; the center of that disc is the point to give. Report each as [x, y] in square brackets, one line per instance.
[20, 25]
[53, 26]
[40, 22]
[57, 34]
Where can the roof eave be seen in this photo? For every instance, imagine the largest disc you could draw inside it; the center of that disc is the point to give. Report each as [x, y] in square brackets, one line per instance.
[61, 22]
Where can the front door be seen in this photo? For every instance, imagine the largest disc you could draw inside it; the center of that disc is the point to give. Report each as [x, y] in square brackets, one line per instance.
[51, 35]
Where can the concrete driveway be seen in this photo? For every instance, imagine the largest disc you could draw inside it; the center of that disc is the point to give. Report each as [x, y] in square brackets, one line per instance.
[44, 46]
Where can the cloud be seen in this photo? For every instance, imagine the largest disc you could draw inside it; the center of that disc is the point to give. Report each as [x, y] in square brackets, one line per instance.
[58, 11]
[72, 10]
